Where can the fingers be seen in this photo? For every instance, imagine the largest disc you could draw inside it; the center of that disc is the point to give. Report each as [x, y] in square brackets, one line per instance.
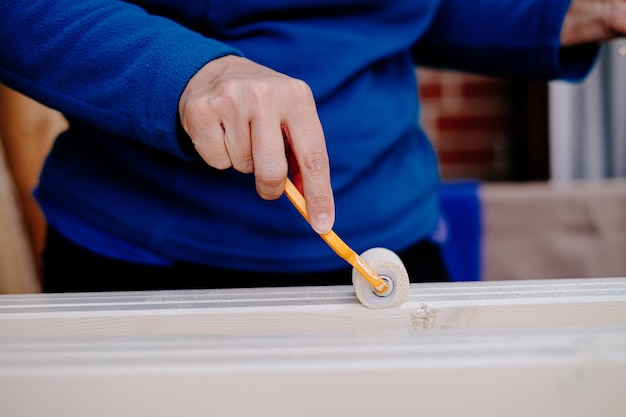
[237, 142]
[223, 143]
[236, 113]
[312, 174]
[298, 134]
[208, 139]
[270, 161]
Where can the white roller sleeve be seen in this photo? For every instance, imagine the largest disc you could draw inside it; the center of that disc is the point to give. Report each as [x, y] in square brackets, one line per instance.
[387, 264]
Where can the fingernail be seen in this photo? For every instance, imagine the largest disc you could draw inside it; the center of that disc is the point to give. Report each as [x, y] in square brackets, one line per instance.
[322, 224]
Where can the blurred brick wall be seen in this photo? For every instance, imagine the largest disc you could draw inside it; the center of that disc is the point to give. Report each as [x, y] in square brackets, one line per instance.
[469, 118]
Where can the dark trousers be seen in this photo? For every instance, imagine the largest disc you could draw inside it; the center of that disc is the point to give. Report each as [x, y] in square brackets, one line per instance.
[71, 268]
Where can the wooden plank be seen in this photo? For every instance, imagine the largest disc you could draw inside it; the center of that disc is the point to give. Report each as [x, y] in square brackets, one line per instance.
[518, 348]
[572, 230]
[17, 268]
[473, 305]
[27, 131]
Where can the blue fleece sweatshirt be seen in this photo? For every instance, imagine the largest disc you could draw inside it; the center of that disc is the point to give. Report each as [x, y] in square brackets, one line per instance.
[124, 181]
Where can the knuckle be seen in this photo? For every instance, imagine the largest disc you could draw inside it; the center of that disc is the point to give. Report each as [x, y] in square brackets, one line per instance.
[317, 199]
[259, 94]
[301, 88]
[270, 183]
[270, 180]
[222, 164]
[244, 165]
[316, 162]
[211, 150]
[268, 193]
[262, 88]
[216, 160]
[301, 94]
[226, 97]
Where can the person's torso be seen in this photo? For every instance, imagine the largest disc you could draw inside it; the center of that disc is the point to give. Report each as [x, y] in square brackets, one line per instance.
[355, 56]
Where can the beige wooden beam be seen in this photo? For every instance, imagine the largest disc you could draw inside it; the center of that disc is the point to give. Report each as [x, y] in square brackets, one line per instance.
[518, 348]
[18, 273]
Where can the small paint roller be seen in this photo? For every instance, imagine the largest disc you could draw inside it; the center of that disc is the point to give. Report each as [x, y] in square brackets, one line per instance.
[379, 278]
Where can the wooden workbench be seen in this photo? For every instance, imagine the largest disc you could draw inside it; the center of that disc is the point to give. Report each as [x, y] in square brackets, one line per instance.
[510, 348]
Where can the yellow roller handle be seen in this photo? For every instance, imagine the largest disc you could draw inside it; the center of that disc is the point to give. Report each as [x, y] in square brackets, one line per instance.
[338, 245]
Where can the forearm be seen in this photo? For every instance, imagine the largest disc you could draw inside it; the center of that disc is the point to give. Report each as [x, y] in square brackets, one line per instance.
[106, 63]
[593, 21]
[507, 38]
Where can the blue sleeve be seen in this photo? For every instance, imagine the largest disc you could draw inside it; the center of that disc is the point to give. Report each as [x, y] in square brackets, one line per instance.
[507, 38]
[106, 63]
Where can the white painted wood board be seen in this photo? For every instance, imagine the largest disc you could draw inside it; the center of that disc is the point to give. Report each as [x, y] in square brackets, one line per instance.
[518, 348]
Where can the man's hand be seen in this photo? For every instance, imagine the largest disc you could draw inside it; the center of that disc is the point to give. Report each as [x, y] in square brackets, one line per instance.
[593, 21]
[243, 115]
